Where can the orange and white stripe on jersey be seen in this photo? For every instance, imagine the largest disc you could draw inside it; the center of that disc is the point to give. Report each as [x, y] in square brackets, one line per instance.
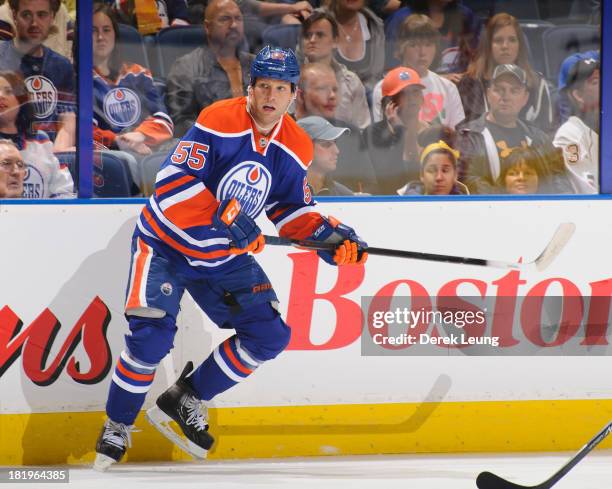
[141, 262]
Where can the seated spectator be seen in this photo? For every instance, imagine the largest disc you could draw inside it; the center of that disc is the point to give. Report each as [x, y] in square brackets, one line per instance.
[361, 41]
[458, 26]
[12, 170]
[319, 40]
[417, 44]
[60, 35]
[325, 158]
[392, 142]
[564, 105]
[503, 42]
[318, 95]
[48, 75]
[520, 172]
[439, 169]
[129, 113]
[483, 141]
[578, 137]
[259, 15]
[215, 71]
[45, 177]
[150, 16]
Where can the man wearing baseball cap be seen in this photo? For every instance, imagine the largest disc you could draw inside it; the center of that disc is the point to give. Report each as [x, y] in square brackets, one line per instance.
[484, 141]
[325, 159]
[392, 142]
[578, 137]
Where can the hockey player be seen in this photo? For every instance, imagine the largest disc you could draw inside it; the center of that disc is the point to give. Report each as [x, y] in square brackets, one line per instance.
[242, 156]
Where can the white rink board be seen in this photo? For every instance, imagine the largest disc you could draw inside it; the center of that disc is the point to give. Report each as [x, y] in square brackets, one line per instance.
[62, 256]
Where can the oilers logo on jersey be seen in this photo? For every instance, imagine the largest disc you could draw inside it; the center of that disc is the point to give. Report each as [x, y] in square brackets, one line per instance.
[33, 183]
[249, 182]
[44, 95]
[122, 107]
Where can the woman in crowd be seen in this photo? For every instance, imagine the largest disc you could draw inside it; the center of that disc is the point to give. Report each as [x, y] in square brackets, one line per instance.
[44, 177]
[503, 42]
[520, 172]
[439, 172]
[319, 41]
[129, 113]
[361, 40]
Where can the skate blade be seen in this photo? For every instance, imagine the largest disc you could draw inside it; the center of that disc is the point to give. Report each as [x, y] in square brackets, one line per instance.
[162, 421]
[103, 462]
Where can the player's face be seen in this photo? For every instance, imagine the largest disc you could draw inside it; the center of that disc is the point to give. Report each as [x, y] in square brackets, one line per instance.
[325, 155]
[269, 100]
[319, 41]
[103, 37]
[507, 96]
[9, 105]
[33, 20]
[438, 175]
[505, 46]
[521, 179]
[226, 26]
[12, 172]
[418, 54]
[321, 94]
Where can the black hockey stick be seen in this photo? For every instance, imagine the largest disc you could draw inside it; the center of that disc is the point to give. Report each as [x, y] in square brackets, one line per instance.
[487, 480]
[559, 240]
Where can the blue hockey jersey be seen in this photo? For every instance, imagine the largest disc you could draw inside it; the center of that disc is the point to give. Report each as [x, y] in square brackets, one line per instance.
[220, 157]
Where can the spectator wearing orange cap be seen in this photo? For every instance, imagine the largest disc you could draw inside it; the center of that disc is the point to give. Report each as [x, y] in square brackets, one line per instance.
[392, 142]
[417, 48]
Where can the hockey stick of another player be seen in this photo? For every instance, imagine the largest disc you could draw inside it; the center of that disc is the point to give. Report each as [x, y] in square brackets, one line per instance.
[487, 480]
[559, 240]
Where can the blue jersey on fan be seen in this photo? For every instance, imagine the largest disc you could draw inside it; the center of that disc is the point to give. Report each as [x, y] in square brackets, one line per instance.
[50, 81]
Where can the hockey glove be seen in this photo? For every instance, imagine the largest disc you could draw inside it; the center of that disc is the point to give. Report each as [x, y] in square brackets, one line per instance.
[350, 248]
[244, 234]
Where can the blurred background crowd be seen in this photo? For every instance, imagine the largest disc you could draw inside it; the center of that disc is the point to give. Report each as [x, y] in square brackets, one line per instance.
[400, 97]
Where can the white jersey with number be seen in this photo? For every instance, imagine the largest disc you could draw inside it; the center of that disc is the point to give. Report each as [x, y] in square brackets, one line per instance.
[580, 145]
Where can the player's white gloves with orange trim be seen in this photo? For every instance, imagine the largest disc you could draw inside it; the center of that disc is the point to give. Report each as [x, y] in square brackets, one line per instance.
[244, 234]
[350, 248]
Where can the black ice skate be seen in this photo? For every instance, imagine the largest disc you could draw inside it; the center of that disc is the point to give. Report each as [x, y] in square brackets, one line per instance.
[181, 404]
[112, 443]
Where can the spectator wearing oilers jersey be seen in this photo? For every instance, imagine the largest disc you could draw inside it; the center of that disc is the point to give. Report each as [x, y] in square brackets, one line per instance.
[243, 156]
[48, 75]
[45, 177]
[129, 113]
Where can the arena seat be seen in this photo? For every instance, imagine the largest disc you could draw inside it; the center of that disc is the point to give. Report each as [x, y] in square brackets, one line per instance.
[149, 168]
[561, 41]
[111, 175]
[283, 35]
[132, 46]
[173, 42]
[534, 31]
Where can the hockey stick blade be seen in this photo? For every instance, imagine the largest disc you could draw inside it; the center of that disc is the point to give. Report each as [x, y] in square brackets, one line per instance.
[559, 240]
[487, 480]
[562, 235]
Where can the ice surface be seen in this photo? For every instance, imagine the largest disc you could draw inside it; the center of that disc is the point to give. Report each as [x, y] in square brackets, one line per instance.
[363, 472]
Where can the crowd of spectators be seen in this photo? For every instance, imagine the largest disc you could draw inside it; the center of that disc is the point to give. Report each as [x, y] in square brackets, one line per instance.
[400, 97]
